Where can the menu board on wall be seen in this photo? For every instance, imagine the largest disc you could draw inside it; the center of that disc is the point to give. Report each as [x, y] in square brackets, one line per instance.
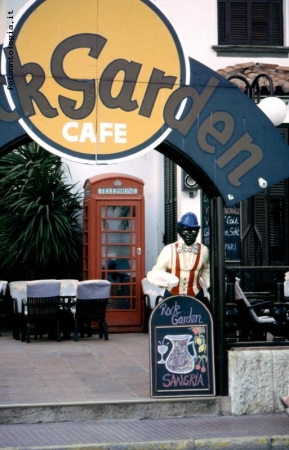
[232, 229]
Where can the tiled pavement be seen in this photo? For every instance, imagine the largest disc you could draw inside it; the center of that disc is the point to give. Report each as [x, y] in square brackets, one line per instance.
[95, 372]
[91, 369]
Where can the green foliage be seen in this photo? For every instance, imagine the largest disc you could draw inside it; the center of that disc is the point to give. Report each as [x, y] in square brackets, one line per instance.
[40, 232]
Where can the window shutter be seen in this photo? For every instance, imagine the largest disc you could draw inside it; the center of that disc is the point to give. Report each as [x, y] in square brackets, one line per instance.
[270, 226]
[277, 220]
[277, 23]
[250, 22]
[271, 223]
[170, 179]
[238, 30]
[222, 18]
[259, 23]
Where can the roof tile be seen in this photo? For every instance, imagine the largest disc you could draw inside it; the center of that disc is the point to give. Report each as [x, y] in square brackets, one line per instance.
[249, 70]
[282, 68]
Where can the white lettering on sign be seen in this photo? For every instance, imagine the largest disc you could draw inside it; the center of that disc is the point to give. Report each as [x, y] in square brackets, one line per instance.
[172, 380]
[117, 131]
[177, 317]
[71, 134]
[75, 132]
[117, 190]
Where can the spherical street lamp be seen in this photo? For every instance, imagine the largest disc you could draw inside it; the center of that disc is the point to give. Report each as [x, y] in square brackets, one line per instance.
[274, 109]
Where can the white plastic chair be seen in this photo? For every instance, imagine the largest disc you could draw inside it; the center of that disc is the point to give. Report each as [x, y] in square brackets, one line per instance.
[239, 295]
[152, 294]
[3, 287]
[251, 326]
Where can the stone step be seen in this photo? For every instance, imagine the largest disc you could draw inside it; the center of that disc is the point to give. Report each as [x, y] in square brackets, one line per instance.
[130, 409]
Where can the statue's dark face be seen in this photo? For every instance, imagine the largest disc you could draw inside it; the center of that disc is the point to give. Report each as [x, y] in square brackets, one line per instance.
[188, 234]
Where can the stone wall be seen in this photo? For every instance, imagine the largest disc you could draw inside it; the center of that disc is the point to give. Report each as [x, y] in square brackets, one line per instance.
[257, 378]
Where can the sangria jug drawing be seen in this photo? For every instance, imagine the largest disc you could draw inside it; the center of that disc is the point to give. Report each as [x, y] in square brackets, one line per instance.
[180, 359]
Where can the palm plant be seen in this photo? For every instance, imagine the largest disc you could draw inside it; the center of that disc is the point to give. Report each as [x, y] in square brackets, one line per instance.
[40, 233]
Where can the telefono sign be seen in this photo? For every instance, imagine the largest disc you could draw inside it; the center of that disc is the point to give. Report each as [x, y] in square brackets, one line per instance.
[104, 81]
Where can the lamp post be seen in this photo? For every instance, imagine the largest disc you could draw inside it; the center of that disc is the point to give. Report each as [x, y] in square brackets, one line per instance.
[272, 106]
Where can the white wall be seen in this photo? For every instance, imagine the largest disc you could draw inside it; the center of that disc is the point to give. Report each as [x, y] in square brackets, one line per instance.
[5, 7]
[196, 24]
[149, 168]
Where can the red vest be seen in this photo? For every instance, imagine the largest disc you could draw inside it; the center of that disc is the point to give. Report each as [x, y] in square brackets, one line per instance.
[193, 275]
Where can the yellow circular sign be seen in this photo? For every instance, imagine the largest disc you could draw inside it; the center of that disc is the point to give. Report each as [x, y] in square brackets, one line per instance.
[92, 78]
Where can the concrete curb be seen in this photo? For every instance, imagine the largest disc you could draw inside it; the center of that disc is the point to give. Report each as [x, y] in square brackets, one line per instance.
[248, 443]
[130, 409]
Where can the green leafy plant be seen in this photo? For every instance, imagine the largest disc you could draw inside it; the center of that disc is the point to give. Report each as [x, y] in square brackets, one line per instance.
[40, 231]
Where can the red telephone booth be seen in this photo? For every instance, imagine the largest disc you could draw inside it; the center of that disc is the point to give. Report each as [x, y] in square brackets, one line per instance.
[113, 244]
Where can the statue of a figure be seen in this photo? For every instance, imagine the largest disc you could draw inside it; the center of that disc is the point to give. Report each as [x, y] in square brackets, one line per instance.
[187, 259]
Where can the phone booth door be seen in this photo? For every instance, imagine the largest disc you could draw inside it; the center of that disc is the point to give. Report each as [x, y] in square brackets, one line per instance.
[118, 256]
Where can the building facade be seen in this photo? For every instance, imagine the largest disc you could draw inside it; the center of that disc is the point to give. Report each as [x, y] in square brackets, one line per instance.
[232, 38]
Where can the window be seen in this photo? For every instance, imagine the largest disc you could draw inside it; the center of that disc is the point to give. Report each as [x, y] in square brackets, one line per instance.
[250, 22]
[170, 170]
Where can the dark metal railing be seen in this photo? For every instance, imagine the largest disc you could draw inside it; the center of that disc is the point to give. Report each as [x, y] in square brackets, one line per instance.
[279, 311]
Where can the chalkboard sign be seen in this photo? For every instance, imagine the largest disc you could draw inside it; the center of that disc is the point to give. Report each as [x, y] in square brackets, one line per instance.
[181, 348]
[232, 229]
